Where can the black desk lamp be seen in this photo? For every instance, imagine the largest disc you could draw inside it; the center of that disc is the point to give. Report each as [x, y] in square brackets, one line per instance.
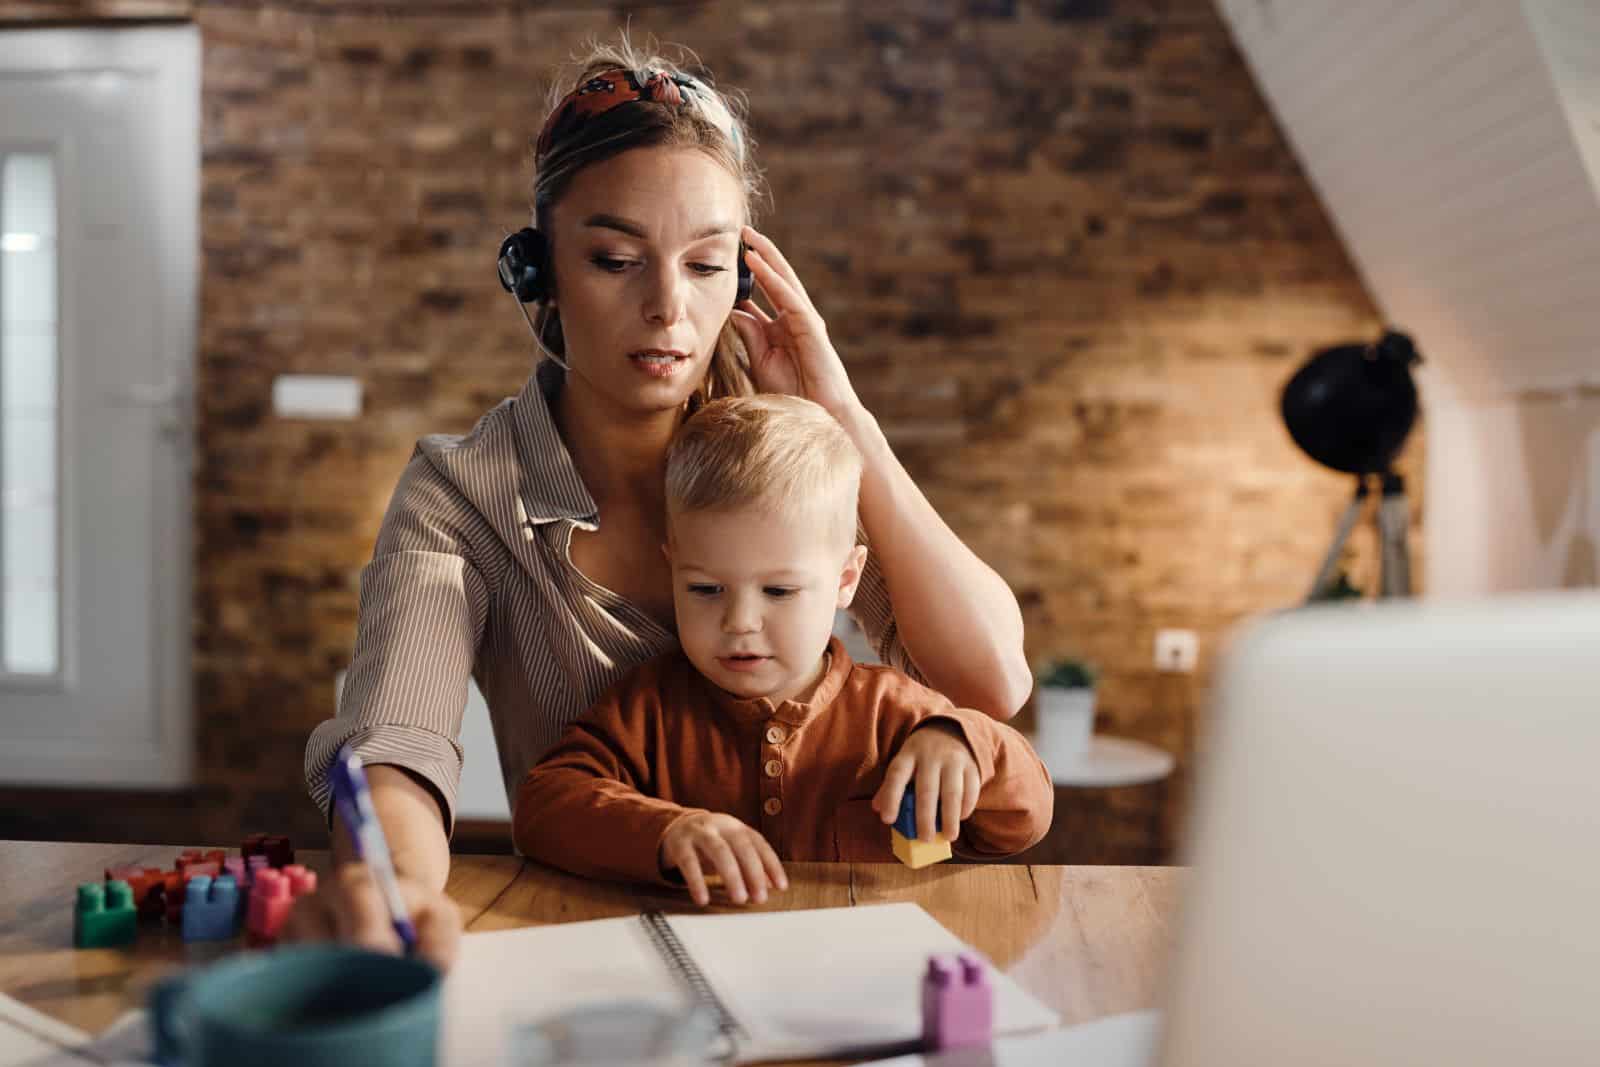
[1350, 408]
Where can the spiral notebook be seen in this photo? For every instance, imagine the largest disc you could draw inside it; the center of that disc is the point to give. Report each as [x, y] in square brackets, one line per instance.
[783, 985]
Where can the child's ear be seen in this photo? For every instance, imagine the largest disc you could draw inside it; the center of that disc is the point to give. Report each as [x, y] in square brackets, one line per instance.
[850, 576]
[666, 550]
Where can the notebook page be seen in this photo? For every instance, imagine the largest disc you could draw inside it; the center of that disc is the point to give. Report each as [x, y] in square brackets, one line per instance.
[831, 980]
[508, 978]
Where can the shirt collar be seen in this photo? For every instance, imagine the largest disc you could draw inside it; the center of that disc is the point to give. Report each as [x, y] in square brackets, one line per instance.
[792, 713]
[551, 488]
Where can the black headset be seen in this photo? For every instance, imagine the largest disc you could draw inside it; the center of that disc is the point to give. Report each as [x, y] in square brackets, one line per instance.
[524, 266]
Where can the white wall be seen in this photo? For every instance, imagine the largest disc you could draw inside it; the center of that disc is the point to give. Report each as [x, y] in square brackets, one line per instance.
[1513, 492]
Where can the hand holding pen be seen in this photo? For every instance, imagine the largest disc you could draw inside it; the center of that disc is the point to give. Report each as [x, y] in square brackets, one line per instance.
[360, 902]
[352, 802]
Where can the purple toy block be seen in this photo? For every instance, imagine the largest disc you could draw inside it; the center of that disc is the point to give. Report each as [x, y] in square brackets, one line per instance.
[210, 908]
[957, 1003]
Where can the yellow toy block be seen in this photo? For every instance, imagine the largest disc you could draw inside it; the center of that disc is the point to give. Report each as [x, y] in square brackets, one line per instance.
[914, 853]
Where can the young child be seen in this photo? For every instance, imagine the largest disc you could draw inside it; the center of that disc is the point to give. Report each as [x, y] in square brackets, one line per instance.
[760, 738]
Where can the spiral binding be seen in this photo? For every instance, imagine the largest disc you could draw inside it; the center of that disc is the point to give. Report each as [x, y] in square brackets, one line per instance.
[677, 957]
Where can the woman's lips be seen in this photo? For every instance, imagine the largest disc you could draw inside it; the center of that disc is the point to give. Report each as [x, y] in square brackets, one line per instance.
[658, 363]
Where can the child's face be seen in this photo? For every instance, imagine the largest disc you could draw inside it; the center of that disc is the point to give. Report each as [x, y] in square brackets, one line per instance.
[755, 594]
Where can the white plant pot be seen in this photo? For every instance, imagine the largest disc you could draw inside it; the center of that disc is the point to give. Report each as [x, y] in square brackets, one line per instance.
[1065, 719]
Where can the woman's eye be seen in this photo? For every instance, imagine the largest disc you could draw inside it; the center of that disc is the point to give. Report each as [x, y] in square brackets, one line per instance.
[707, 270]
[780, 592]
[704, 589]
[609, 263]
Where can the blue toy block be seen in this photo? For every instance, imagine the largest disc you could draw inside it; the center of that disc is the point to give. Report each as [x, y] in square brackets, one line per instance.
[906, 821]
[903, 837]
[211, 908]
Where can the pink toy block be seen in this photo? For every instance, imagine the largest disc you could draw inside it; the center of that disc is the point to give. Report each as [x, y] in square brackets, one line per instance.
[234, 867]
[147, 884]
[301, 881]
[275, 847]
[270, 900]
[957, 1003]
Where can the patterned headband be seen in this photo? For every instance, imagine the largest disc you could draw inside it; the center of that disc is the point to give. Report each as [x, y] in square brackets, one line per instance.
[615, 87]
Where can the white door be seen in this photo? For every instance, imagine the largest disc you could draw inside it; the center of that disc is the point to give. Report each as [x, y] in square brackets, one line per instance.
[99, 192]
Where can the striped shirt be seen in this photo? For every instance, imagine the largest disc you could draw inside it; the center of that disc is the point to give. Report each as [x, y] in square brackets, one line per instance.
[472, 576]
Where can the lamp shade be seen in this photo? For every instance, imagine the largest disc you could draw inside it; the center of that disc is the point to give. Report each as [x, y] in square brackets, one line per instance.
[1351, 406]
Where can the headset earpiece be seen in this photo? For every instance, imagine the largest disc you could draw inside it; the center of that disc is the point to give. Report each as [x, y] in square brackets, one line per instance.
[522, 265]
[747, 278]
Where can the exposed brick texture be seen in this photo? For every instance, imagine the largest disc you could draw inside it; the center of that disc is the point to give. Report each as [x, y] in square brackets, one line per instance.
[1062, 247]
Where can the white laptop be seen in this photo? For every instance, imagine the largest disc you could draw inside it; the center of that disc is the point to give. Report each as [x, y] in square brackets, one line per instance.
[1396, 843]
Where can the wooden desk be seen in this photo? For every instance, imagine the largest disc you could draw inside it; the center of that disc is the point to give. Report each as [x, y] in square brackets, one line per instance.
[1088, 941]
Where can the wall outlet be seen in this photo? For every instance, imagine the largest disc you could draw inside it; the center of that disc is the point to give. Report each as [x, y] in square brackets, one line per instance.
[1177, 650]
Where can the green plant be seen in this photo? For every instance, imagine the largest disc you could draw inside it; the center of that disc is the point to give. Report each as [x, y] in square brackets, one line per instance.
[1340, 589]
[1066, 673]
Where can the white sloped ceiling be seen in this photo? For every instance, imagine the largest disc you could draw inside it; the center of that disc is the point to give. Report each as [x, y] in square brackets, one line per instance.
[1456, 144]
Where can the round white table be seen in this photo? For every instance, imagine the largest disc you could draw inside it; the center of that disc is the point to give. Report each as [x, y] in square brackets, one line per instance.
[1108, 761]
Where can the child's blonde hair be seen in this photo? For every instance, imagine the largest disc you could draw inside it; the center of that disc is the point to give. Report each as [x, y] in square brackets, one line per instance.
[773, 451]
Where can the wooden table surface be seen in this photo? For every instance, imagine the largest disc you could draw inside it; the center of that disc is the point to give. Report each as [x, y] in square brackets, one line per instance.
[1088, 941]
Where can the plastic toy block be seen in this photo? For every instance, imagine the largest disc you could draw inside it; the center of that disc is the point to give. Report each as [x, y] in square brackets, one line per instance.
[104, 915]
[275, 847]
[903, 836]
[146, 883]
[917, 854]
[173, 888]
[234, 868]
[210, 908]
[255, 865]
[957, 1003]
[191, 858]
[301, 881]
[270, 900]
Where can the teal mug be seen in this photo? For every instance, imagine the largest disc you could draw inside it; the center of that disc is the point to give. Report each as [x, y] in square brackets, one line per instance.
[303, 1006]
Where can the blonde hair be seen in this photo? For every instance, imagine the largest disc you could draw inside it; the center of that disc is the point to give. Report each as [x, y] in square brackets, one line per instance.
[777, 452]
[711, 121]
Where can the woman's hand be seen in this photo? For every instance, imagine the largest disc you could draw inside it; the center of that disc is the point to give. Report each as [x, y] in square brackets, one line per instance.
[348, 907]
[946, 775]
[790, 351]
[736, 854]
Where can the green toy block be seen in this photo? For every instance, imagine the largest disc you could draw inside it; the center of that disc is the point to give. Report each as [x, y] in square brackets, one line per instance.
[105, 915]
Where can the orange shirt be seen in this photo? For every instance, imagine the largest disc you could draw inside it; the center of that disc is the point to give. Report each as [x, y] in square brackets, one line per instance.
[663, 741]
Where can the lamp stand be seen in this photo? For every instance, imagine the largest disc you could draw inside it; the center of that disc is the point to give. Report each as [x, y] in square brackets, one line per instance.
[1393, 520]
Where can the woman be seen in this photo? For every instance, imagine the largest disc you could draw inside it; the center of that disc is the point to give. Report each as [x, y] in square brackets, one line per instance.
[527, 553]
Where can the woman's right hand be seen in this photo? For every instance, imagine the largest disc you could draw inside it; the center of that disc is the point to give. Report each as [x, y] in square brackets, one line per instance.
[348, 907]
[735, 853]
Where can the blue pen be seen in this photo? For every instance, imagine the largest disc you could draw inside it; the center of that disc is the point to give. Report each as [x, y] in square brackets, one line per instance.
[353, 801]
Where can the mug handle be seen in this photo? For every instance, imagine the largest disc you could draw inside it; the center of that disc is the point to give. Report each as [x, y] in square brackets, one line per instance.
[169, 1025]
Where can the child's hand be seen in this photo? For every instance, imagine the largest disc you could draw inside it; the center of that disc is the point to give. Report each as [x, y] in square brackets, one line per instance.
[936, 755]
[735, 852]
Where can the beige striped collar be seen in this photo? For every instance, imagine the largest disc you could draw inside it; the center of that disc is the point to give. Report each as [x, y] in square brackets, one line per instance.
[551, 488]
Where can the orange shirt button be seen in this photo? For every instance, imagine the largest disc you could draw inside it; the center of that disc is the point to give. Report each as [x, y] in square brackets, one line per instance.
[774, 735]
[772, 806]
[773, 768]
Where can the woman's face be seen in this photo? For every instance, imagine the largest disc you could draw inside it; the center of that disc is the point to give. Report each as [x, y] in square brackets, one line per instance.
[645, 258]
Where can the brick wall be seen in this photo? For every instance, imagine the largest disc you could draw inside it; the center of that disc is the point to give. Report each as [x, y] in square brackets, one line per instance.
[1061, 246]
